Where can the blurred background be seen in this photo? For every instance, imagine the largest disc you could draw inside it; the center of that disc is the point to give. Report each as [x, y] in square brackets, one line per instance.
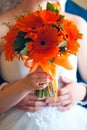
[6, 4]
[82, 3]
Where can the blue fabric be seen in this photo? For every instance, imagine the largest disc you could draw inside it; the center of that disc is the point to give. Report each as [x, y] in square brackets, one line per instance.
[73, 8]
[79, 79]
[1, 80]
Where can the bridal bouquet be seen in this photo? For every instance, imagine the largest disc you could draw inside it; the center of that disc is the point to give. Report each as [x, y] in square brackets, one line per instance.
[43, 38]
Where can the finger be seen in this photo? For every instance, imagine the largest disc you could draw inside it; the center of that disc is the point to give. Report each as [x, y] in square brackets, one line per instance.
[31, 93]
[64, 90]
[30, 108]
[65, 108]
[44, 80]
[60, 103]
[41, 86]
[64, 103]
[65, 79]
[64, 97]
[53, 104]
[50, 100]
[32, 97]
[41, 83]
[41, 74]
[36, 103]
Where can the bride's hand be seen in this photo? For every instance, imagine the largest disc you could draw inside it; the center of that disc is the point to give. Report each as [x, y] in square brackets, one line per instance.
[70, 94]
[31, 103]
[36, 80]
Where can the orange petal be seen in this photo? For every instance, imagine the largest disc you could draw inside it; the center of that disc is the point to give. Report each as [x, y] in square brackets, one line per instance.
[35, 66]
[64, 62]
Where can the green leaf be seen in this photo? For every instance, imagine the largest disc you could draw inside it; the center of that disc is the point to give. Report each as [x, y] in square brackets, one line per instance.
[39, 7]
[7, 24]
[61, 17]
[19, 42]
[51, 61]
[51, 8]
[63, 46]
[56, 26]
[61, 26]
[80, 34]
[24, 51]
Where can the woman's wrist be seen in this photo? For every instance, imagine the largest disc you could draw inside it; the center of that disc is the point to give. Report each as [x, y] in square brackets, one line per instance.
[25, 84]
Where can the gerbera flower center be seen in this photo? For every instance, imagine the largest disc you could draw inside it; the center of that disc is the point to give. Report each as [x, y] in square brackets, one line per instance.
[43, 43]
[33, 27]
[67, 36]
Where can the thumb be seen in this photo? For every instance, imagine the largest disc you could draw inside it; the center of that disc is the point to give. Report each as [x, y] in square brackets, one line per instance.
[65, 79]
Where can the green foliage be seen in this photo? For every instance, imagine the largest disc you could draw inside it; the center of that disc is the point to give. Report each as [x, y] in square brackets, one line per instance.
[21, 43]
[63, 46]
[7, 24]
[24, 50]
[51, 8]
[61, 17]
[39, 7]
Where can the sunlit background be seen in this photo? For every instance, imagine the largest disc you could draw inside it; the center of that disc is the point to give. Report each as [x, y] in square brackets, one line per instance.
[6, 4]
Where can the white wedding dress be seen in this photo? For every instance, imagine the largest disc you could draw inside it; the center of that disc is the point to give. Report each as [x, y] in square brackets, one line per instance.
[49, 118]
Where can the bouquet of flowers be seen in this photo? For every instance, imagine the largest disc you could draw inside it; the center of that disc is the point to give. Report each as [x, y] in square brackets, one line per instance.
[43, 38]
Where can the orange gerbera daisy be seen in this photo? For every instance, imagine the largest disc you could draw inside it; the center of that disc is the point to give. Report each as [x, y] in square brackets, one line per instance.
[70, 34]
[29, 22]
[8, 47]
[49, 16]
[73, 47]
[70, 31]
[45, 46]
